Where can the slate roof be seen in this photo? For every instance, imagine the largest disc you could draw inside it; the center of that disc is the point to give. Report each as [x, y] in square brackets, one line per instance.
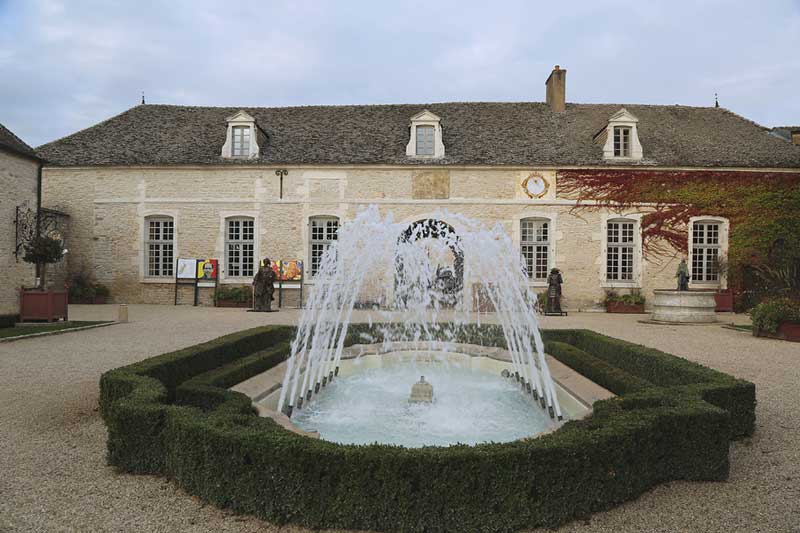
[785, 132]
[477, 133]
[12, 143]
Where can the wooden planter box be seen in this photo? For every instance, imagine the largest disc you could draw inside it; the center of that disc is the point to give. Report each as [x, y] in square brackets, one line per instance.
[619, 307]
[724, 299]
[43, 305]
[788, 331]
[233, 303]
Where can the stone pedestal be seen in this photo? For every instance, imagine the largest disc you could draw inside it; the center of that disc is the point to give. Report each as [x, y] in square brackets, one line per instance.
[421, 392]
[684, 307]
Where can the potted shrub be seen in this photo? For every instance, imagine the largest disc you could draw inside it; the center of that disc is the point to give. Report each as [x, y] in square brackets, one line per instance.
[625, 303]
[233, 297]
[39, 303]
[101, 294]
[83, 290]
[777, 317]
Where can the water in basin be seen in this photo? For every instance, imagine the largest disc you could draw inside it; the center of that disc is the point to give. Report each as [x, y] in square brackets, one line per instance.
[470, 406]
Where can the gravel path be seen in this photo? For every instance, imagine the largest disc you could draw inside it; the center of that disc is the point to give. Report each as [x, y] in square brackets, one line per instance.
[52, 440]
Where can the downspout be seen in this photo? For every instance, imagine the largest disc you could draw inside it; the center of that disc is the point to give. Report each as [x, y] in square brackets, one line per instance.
[38, 210]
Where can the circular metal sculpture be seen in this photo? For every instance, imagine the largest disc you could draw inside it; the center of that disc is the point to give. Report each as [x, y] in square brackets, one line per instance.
[448, 281]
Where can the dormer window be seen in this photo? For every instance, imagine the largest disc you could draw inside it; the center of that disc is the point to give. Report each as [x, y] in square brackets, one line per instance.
[240, 140]
[620, 137]
[425, 139]
[622, 141]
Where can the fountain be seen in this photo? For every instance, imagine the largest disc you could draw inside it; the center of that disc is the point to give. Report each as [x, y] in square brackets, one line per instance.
[421, 392]
[683, 305]
[418, 278]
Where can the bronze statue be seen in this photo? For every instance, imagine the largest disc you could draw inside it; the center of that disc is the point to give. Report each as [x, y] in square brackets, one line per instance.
[264, 288]
[554, 281]
[683, 276]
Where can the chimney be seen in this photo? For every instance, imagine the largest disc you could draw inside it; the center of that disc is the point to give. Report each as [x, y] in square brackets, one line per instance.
[796, 137]
[557, 89]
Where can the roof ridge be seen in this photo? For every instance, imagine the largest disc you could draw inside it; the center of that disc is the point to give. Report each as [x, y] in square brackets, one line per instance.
[753, 122]
[88, 127]
[16, 138]
[418, 104]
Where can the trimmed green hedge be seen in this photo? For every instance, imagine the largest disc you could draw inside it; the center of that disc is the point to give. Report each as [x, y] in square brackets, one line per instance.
[173, 415]
[8, 321]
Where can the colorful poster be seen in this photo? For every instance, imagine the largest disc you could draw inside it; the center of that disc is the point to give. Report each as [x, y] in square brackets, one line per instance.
[292, 270]
[187, 268]
[276, 267]
[207, 269]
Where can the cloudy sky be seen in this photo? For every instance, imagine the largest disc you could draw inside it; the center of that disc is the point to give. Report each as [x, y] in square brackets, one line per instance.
[65, 65]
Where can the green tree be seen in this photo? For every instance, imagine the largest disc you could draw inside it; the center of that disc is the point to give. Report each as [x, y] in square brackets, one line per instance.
[41, 251]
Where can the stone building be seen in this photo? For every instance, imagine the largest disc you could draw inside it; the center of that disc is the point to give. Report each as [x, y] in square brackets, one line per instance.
[19, 180]
[159, 182]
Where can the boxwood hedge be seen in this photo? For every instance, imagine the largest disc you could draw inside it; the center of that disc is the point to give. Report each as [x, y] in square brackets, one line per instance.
[173, 415]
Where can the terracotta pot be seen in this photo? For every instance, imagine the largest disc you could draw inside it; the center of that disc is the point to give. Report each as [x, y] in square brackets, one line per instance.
[620, 307]
[724, 299]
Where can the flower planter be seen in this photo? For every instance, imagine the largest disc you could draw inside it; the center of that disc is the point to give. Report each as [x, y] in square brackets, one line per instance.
[787, 331]
[43, 305]
[233, 303]
[620, 307]
[724, 300]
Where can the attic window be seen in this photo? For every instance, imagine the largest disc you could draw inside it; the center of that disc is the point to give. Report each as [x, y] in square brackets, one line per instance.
[241, 141]
[622, 141]
[620, 137]
[425, 139]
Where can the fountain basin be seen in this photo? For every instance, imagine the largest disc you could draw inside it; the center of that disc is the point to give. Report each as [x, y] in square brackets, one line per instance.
[684, 307]
[368, 401]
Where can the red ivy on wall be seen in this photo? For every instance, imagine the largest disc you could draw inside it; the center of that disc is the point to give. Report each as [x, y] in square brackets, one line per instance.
[668, 199]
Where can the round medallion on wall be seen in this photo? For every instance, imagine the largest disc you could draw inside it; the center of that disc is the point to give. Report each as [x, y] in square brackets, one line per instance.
[535, 186]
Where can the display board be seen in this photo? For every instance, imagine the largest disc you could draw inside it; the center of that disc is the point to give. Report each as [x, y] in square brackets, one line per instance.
[196, 272]
[187, 269]
[207, 272]
[288, 275]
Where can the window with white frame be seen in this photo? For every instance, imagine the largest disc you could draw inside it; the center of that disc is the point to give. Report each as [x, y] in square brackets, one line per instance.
[535, 247]
[241, 141]
[620, 249]
[705, 251]
[159, 246]
[240, 247]
[425, 140]
[622, 141]
[323, 232]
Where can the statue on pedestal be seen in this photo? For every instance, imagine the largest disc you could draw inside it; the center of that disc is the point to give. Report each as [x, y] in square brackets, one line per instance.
[263, 287]
[554, 281]
[683, 276]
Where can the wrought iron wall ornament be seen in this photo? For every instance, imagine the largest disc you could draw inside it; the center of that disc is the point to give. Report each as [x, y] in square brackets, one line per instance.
[27, 225]
[281, 172]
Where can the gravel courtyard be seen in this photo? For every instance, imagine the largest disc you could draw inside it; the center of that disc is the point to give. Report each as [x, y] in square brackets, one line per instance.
[52, 440]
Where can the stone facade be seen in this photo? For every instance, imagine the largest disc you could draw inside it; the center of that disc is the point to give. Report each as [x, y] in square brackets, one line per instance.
[108, 207]
[18, 180]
